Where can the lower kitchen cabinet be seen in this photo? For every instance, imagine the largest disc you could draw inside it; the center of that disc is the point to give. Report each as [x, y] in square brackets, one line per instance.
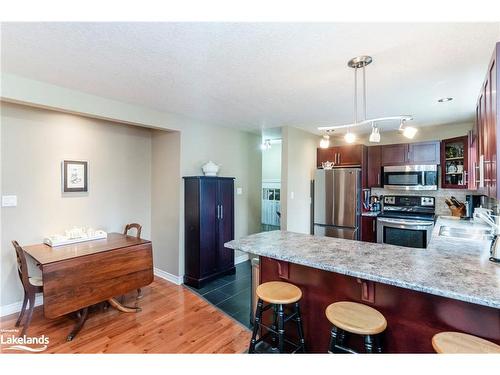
[369, 228]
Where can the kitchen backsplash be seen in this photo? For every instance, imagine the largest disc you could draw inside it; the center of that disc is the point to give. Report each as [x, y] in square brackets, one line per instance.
[440, 195]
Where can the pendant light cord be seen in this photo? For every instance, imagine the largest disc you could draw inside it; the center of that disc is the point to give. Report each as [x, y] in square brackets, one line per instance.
[364, 94]
[355, 95]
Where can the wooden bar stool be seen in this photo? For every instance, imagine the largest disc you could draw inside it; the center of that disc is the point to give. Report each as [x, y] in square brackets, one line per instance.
[355, 318]
[278, 294]
[462, 343]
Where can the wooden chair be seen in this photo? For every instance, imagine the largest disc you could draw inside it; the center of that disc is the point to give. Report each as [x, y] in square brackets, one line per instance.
[138, 228]
[31, 286]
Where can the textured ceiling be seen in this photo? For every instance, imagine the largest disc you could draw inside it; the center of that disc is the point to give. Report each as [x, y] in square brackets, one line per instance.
[254, 75]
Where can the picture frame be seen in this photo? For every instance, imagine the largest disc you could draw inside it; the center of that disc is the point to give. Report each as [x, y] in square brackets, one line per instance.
[75, 176]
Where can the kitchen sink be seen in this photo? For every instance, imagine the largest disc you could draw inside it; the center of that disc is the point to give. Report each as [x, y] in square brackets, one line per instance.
[469, 233]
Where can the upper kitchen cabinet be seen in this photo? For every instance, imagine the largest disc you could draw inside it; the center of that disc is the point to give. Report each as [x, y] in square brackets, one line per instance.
[374, 166]
[344, 156]
[394, 154]
[411, 153]
[485, 130]
[424, 152]
[454, 163]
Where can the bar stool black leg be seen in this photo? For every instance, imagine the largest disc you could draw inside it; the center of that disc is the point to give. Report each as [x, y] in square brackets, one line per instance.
[256, 326]
[378, 344]
[274, 327]
[341, 336]
[300, 330]
[333, 339]
[281, 329]
[369, 344]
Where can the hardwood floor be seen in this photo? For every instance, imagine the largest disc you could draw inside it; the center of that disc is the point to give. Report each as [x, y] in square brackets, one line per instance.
[173, 320]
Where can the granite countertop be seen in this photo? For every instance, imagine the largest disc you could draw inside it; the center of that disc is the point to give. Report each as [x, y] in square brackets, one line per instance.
[449, 267]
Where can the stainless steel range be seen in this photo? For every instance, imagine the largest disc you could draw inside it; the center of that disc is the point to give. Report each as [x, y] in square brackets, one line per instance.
[406, 220]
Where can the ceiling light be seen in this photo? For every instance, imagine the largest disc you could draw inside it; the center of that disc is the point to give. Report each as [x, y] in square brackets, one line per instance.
[408, 131]
[375, 135]
[266, 145]
[325, 141]
[444, 100]
[350, 137]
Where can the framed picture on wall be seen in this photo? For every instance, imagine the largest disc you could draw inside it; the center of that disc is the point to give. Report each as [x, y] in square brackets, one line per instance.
[75, 176]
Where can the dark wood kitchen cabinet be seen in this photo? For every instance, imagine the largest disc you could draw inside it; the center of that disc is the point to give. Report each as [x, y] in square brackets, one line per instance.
[394, 154]
[208, 224]
[485, 132]
[411, 153]
[374, 166]
[343, 156]
[369, 228]
[455, 163]
[424, 152]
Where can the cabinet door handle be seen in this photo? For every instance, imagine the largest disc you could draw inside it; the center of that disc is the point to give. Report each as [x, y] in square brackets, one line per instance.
[378, 178]
[218, 212]
[221, 212]
[373, 225]
[339, 159]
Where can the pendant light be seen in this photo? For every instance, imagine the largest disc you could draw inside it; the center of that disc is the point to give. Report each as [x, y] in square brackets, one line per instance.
[361, 62]
[375, 135]
[325, 141]
[408, 131]
[350, 137]
[266, 145]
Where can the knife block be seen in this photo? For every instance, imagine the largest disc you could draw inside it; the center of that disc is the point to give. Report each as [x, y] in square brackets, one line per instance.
[458, 211]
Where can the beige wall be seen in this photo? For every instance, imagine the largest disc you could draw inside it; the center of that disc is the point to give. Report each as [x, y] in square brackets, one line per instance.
[239, 156]
[426, 133]
[271, 163]
[34, 142]
[298, 165]
[236, 150]
[165, 199]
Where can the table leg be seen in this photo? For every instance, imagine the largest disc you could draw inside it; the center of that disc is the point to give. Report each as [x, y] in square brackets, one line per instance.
[82, 317]
[117, 305]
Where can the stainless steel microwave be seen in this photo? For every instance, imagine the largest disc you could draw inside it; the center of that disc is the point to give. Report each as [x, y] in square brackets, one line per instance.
[411, 177]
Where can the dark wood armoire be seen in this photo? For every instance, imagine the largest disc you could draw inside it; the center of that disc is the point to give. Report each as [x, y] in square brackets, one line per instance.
[208, 224]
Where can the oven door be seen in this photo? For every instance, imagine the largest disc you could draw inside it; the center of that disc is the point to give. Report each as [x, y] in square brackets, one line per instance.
[411, 177]
[404, 232]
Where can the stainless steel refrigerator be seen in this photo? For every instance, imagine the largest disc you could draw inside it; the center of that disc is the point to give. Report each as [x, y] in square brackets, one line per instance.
[337, 203]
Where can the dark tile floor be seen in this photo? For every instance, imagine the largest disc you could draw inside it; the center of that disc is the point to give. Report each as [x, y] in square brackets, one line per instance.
[231, 293]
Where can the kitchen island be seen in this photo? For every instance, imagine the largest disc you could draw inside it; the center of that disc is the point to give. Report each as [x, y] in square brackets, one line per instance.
[451, 285]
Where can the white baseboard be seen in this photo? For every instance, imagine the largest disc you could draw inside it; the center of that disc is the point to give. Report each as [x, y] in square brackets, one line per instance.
[16, 306]
[241, 259]
[177, 280]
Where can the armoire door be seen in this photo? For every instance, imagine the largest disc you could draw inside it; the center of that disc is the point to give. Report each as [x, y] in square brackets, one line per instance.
[225, 227]
[208, 225]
